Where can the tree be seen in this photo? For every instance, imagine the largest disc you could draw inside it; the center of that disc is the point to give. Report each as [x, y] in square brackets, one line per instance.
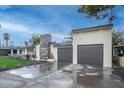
[117, 38]
[99, 11]
[26, 43]
[6, 38]
[36, 39]
[69, 36]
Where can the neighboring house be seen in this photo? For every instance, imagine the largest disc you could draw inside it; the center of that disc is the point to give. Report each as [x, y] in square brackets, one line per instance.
[118, 50]
[37, 52]
[23, 52]
[118, 55]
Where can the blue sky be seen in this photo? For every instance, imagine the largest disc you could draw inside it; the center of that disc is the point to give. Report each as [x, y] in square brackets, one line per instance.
[23, 21]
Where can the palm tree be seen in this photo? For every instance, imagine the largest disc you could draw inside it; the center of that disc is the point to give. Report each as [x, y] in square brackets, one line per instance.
[6, 38]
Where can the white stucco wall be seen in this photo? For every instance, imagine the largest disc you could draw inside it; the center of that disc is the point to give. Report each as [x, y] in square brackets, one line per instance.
[23, 51]
[95, 37]
[54, 52]
[18, 51]
[11, 51]
[37, 51]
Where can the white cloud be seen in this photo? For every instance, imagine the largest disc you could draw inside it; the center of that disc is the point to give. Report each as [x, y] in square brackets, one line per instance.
[15, 27]
[21, 28]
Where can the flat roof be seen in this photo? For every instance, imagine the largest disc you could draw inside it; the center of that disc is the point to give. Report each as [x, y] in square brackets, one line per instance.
[4, 48]
[63, 44]
[94, 28]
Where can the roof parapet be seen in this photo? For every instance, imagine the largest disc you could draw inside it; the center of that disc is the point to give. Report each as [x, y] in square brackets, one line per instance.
[88, 29]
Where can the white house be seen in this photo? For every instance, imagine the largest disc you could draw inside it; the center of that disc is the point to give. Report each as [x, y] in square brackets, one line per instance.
[90, 46]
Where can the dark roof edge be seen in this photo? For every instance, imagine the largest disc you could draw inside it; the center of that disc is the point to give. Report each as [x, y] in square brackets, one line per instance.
[62, 45]
[22, 47]
[4, 48]
[101, 27]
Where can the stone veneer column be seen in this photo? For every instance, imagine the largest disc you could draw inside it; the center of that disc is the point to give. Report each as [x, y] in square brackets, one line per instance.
[44, 45]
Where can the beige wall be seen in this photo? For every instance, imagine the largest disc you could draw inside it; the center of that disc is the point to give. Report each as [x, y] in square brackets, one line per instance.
[94, 37]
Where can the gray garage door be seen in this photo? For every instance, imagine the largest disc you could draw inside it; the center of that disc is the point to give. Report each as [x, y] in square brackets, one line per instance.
[64, 56]
[90, 54]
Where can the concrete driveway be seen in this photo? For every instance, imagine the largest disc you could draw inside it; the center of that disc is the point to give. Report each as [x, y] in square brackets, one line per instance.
[72, 76]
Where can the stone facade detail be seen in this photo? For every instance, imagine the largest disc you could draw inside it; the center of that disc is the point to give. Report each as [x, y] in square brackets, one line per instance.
[44, 45]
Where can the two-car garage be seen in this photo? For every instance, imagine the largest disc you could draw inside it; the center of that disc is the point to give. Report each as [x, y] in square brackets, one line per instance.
[87, 55]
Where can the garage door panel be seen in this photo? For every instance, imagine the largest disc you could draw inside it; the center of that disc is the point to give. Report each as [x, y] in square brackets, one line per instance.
[90, 54]
[64, 56]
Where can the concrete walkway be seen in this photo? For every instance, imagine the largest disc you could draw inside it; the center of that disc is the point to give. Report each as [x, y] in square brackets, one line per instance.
[72, 76]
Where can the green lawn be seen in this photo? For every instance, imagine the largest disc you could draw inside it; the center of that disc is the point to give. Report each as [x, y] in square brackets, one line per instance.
[8, 62]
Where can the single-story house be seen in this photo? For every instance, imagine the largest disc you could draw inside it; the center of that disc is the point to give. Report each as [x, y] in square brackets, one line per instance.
[23, 52]
[90, 46]
[37, 52]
